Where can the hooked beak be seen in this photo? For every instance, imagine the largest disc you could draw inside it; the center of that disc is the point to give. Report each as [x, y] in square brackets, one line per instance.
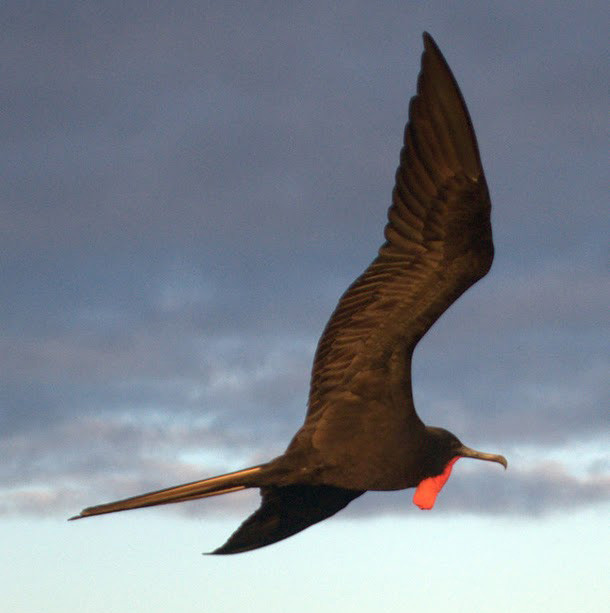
[466, 452]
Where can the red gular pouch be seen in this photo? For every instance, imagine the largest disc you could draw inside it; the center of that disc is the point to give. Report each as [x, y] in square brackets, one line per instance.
[428, 489]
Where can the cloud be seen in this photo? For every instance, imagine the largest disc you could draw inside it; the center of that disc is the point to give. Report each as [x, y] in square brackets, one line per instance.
[527, 492]
[61, 477]
[122, 404]
[184, 200]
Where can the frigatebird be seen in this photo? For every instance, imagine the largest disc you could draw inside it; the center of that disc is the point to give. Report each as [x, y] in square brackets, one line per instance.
[361, 431]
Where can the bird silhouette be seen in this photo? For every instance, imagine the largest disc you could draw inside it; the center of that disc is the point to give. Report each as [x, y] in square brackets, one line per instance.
[361, 431]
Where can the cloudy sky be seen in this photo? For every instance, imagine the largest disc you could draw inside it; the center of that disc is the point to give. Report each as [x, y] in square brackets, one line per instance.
[186, 190]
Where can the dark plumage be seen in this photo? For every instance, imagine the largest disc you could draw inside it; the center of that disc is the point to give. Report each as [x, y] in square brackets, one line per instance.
[361, 431]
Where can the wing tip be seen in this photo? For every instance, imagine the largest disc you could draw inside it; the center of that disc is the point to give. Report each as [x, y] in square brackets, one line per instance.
[428, 40]
[435, 68]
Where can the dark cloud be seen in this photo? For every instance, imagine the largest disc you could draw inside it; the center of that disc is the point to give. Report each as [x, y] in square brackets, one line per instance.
[187, 190]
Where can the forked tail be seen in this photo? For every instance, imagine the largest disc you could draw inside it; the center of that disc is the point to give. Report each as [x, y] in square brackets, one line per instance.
[223, 484]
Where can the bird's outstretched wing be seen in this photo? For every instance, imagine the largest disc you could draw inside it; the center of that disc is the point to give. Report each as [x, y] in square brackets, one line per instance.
[284, 511]
[438, 243]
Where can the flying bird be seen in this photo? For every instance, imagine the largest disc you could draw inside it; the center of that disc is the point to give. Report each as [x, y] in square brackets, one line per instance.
[361, 431]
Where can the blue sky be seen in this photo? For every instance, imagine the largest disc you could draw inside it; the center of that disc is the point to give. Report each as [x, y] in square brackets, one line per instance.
[186, 191]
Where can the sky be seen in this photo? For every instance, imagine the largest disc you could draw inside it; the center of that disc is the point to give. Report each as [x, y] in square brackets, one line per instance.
[186, 189]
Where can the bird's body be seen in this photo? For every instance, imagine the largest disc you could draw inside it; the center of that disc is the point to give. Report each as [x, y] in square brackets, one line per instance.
[361, 431]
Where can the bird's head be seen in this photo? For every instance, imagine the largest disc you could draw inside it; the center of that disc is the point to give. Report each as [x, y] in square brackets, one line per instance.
[443, 450]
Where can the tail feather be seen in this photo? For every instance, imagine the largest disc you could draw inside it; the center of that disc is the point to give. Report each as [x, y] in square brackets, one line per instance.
[215, 486]
[284, 511]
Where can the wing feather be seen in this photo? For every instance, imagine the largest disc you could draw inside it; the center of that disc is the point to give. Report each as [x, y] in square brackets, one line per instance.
[438, 241]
